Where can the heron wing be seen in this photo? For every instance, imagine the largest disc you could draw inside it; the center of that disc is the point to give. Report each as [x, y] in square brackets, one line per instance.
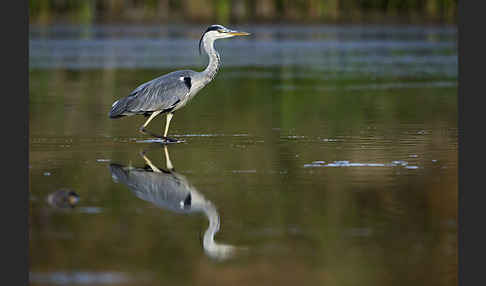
[162, 93]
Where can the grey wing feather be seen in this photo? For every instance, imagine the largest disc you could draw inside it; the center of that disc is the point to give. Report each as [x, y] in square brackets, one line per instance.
[162, 93]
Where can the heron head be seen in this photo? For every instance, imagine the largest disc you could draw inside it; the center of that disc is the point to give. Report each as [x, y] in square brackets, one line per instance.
[219, 32]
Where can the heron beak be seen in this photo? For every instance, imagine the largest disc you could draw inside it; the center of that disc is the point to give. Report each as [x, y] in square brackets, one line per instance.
[237, 33]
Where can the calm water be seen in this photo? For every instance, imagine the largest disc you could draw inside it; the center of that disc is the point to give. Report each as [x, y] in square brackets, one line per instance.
[324, 154]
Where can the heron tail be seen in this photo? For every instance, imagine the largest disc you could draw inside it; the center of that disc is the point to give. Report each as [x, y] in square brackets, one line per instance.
[118, 173]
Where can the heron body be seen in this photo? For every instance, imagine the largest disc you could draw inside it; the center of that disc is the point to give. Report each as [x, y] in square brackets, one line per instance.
[170, 92]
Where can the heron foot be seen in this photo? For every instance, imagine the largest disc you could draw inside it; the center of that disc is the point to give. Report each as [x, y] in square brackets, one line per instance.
[146, 132]
[166, 140]
[163, 139]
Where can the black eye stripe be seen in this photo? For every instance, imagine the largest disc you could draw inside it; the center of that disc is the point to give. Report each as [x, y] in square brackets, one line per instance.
[214, 28]
[211, 28]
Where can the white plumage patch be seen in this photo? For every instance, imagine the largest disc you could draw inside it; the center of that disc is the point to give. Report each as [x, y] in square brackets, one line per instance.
[114, 103]
[181, 78]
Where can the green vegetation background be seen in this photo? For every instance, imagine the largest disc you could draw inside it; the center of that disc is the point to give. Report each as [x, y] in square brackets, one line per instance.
[244, 11]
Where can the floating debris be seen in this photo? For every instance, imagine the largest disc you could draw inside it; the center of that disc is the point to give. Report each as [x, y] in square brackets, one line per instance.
[243, 171]
[103, 160]
[47, 173]
[158, 140]
[90, 210]
[78, 278]
[400, 163]
[312, 165]
[411, 167]
[351, 164]
[198, 135]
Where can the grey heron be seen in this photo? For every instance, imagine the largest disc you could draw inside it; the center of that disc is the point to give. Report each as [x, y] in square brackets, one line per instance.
[172, 191]
[170, 92]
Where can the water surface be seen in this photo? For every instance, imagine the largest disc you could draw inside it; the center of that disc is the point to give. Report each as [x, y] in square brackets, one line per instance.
[328, 153]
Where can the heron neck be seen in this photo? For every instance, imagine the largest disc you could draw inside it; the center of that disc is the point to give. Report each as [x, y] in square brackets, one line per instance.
[212, 248]
[214, 60]
[213, 217]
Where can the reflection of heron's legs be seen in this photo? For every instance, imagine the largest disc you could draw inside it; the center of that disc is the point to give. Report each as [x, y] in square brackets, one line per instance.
[170, 167]
[142, 128]
[147, 160]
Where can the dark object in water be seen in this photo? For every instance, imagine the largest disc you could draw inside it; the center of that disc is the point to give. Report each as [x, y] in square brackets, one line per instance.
[63, 198]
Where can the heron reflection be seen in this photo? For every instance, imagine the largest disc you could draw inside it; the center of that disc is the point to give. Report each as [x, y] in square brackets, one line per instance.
[170, 190]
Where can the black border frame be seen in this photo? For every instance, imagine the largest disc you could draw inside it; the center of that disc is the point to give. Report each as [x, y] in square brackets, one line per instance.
[15, 119]
[470, 191]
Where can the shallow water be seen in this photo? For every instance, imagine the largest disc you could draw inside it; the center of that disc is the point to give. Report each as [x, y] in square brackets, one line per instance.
[329, 155]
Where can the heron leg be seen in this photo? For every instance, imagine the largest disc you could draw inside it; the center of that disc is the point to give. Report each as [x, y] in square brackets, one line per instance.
[169, 118]
[167, 123]
[152, 116]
